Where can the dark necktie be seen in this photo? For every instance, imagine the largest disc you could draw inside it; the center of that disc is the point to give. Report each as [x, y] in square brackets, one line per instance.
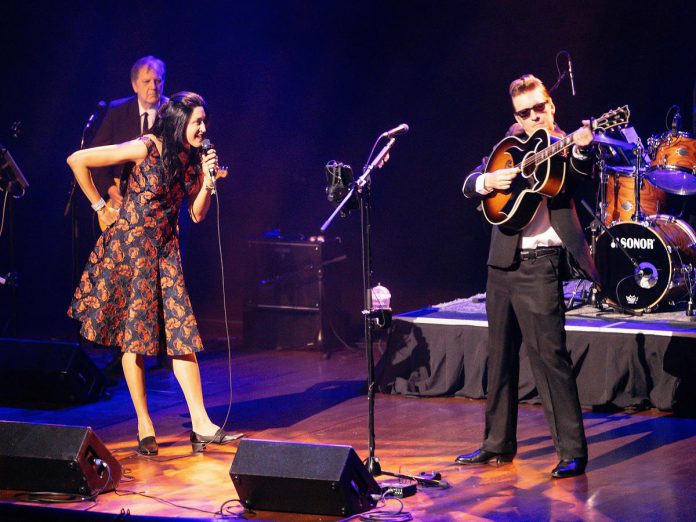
[146, 127]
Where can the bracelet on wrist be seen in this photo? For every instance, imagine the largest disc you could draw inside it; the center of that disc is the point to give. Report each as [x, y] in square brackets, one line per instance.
[99, 205]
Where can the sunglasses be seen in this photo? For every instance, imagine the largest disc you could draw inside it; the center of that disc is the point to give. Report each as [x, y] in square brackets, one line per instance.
[526, 113]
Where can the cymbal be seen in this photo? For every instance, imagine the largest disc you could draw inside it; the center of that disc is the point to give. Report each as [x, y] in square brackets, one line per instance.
[606, 140]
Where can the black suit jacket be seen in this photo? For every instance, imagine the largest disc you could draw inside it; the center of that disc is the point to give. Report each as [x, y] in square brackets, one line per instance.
[121, 123]
[562, 214]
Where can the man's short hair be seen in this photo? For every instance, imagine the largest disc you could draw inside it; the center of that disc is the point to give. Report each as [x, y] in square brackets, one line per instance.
[149, 62]
[526, 83]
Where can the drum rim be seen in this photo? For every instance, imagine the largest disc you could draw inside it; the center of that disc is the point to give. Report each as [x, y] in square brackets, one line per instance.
[651, 169]
[623, 174]
[680, 223]
[665, 135]
[668, 250]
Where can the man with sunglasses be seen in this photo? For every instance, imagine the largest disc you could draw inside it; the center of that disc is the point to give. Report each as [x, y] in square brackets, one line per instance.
[524, 296]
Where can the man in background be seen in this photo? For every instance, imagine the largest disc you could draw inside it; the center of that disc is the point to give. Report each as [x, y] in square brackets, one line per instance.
[128, 118]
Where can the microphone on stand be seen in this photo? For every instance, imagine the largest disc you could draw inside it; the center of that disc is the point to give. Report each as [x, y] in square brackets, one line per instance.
[206, 146]
[96, 115]
[100, 107]
[396, 131]
[570, 74]
[676, 121]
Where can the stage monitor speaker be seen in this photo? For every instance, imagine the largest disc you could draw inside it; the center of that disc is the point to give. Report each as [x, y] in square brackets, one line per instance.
[302, 478]
[53, 458]
[48, 372]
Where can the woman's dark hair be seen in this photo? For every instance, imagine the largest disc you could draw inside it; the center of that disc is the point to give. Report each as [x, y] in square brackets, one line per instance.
[170, 127]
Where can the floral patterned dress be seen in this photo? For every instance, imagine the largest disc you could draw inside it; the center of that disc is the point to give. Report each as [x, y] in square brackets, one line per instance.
[132, 293]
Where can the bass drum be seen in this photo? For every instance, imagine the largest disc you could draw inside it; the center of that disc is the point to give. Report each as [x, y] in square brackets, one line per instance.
[664, 249]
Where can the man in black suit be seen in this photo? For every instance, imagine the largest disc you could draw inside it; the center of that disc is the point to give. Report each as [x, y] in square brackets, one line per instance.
[128, 118]
[524, 296]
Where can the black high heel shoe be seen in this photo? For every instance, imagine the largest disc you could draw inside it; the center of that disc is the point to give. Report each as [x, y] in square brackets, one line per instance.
[147, 446]
[199, 442]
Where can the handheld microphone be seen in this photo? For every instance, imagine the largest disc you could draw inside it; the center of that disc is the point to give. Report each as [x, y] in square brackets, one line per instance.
[206, 146]
[570, 74]
[396, 131]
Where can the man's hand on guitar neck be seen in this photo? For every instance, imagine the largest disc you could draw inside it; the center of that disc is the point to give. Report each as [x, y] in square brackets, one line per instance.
[583, 137]
[107, 215]
[115, 198]
[500, 179]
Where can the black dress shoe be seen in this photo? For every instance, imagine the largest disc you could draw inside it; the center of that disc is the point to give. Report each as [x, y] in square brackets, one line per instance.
[147, 446]
[199, 442]
[569, 468]
[481, 456]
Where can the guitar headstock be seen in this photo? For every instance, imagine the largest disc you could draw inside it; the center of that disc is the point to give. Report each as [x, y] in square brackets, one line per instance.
[610, 119]
[221, 171]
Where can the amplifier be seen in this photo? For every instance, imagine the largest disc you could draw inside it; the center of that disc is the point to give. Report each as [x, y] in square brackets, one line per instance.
[292, 294]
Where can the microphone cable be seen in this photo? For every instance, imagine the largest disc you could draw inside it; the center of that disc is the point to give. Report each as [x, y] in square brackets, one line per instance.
[224, 307]
[206, 145]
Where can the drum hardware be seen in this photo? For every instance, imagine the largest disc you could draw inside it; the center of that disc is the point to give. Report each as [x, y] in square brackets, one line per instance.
[638, 152]
[690, 312]
[691, 281]
[602, 204]
[581, 293]
[603, 139]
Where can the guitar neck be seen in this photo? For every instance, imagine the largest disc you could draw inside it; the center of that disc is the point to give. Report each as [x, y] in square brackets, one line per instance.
[550, 151]
[618, 116]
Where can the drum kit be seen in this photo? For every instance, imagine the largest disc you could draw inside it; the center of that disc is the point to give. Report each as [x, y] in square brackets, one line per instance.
[646, 258]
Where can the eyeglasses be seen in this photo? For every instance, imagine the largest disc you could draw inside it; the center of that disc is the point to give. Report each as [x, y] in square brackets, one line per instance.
[526, 113]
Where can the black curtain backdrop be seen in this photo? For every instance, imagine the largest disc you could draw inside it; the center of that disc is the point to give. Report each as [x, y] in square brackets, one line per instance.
[293, 84]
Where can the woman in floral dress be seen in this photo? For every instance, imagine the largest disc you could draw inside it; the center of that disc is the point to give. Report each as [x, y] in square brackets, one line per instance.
[132, 293]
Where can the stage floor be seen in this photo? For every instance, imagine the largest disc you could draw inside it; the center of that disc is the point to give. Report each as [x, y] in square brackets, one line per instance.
[641, 463]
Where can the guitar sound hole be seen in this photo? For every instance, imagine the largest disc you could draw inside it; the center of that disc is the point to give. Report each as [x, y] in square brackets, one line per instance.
[528, 170]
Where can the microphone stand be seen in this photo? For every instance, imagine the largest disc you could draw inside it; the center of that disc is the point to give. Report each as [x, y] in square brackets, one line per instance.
[638, 215]
[361, 188]
[72, 207]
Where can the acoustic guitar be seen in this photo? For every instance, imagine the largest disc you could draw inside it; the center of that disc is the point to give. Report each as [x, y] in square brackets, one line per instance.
[515, 207]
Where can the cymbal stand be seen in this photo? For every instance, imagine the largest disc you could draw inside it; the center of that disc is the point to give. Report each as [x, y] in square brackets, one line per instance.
[638, 211]
[691, 278]
[603, 182]
[594, 227]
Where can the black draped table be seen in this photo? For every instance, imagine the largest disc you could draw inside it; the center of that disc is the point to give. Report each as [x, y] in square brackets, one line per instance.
[619, 361]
